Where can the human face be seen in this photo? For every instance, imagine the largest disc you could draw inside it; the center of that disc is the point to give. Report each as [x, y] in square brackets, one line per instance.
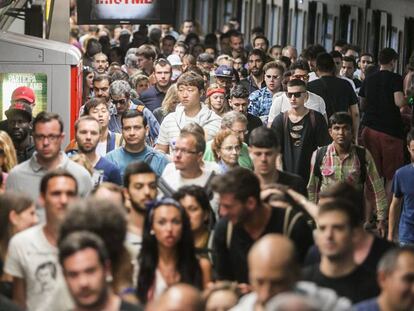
[60, 192]
[231, 208]
[188, 27]
[291, 53]
[134, 131]
[229, 151]
[180, 51]
[238, 63]
[255, 65]
[121, 103]
[260, 44]
[167, 47]
[48, 140]
[25, 219]
[341, 134]
[338, 64]
[210, 51]
[264, 160]
[411, 150]
[301, 75]
[100, 113]
[236, 43]
[100, 63]
[162, 75]
[397, 286]
[276, 53]
[89, 80]
[19, 127]
[347, 69]
[141, 190]
[167, 225]
[364, 62]
[239, 104]
[221, 300]
[224, 83]
[144, 63]
[299, 102]
[142, 86]
[239, 129]
[188, 95]
[334, 234]
[217, 101]
[273, 79]
[85, 276]
[185, 155]
[195, 213]
[101, 89]
[87, 136]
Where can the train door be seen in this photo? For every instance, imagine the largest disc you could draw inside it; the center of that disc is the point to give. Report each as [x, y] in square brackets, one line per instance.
[297, 22]
[275, 22]
[408, 38]
[316, 31]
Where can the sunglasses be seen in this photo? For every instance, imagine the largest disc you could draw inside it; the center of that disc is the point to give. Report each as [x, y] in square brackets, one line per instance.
[295, 94]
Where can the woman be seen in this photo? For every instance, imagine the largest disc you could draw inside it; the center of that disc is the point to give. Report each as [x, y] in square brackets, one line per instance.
[216, 100]
[88, 76]
[168, 255]
[168, 104]
[8, 157]
[226, 149]
[17, 213]
[197, 206]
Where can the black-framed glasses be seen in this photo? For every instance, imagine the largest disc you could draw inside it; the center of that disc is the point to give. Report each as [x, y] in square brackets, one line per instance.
[51, 137]
[236, 148]
[122, 101]
[295, 94]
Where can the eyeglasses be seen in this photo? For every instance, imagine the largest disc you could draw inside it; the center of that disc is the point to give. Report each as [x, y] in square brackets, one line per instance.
[183, 151]
[239, 131]
[270, 77]
[301, 77]
[123, 101]
[231, 148]
[296, 94]
[51, 138]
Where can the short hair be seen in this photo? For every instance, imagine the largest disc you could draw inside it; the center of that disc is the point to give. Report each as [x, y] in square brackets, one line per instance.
[136, 78]
[129, 114]
[59, 172]
[162, 62]
[100, 54]
[285, 61]
[240, 182]
[119, 75]
[101, 77]
[191, 79]
[297, 82]
[366, 54]
[197, 132]
[181, 44]
[387, 55]
[147, 51]
[79, 241]
[110, 187]
[169, 38]
[219, 139]
[273, 65]
[301, 65]
[93, 103]
[343, 206]
[264, 137]
[45, 117]
[136, 168]
[336, 54]
[410, 136]
[131, 61]
[260, 53]
[261, 37]
[234, 33]
[312, 51]
[350, 59]
[231, 117]
[87, 118]
[388, 261]
[239, 91]
[340, 118]
[325, 63]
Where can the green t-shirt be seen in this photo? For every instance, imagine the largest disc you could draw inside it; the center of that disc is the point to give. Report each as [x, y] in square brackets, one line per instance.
[244, 158]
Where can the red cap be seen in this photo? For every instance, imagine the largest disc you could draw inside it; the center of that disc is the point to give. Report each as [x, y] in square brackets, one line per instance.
[24, 92]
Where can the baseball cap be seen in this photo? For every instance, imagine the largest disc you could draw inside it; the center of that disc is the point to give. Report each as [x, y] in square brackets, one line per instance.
[224, 71]
[19, 107]
[24, 92]
[174, 60]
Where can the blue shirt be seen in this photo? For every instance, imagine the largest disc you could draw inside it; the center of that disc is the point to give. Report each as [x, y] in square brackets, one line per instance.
[107, 171]
[403, 187]
[260, 103]
[367, 305]
[121, 158]
[152, 98]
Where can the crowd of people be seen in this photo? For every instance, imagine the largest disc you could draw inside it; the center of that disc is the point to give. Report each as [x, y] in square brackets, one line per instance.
[210, 173]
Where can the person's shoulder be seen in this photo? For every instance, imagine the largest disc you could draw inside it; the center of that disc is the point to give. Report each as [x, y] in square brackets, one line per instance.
[26, 235]
[126, 306]
[106, 164]
[21, 167]
[409, 168]
[150, 92]
[367, 305]
[314, 97]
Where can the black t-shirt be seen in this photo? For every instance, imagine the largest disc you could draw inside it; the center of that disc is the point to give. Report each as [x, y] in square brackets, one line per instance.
[292, 181]
[252, 123]
[299, 140]
[380, 112]
[360, 284]
[126, 306]
[337, 93]
[231, 263]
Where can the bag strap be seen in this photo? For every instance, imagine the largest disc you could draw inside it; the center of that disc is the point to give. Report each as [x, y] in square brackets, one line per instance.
[320, 154]
[229, 234]
[286, 220]
[165, 187]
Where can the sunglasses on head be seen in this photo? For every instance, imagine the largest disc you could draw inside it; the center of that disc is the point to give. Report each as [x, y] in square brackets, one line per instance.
[295, 94]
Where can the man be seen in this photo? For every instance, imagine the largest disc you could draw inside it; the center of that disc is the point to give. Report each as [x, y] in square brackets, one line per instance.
[280, 103]
[239, 101]
[101, 86]
[403, 192]
[205, 62]
[237, 123]
[167, 45]
[337, 93]
[224, 78]
[186, 28]
[291, 52]
[337, 58]
[264, 149]
[86, 267]
[146, 57]
[381, 99]
[344, 161]
[261, 42]
[153, 97]
[261, 100]
[34, 248]
[48, 136]
[100, 63]
[236, 43]
[190, 87]
[300, 131]
[255, 63]
[134, 131]
[349, 66]
[244, 219]
[337, 221]
[87, 134]
[396, 280]
[181, 297]
[365, 60]
[19, 118]
[274, 271]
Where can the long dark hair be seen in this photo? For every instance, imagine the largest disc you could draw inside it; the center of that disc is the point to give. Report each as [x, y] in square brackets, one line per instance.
[187, 263]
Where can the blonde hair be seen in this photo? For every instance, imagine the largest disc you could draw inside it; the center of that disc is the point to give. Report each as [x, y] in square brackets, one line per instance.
[81, 159]
[218, 141]
[10, 157]
[225, 108]
[170, 100]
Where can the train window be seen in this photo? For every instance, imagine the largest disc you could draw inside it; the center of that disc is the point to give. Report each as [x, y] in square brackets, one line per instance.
[329, 32]
[350, 31]
[394, 39]
[301, 18]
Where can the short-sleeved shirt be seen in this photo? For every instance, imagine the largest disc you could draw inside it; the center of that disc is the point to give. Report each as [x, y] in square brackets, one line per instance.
[403, 188]
[152, 98]
[260, 103]
[380, 112]
[32, 258]
[337, 93]
[244, 158]
[104, 170]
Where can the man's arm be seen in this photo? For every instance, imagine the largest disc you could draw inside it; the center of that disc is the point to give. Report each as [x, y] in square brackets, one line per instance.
[162, 148]
[393, 215]
[354, 112]
[399, 99]
[313, 184]
[19, 292]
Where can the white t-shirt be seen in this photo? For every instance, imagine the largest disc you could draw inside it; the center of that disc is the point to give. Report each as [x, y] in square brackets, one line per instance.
[101, 148]
[31, 257]
[174, 179]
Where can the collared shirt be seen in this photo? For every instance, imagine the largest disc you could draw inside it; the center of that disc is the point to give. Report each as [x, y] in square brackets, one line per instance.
[333, 169]
[260, 103]
[152, 98]
[250, 84]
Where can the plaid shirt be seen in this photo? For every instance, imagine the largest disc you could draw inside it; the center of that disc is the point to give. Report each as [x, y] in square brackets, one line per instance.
[333, 170]
[260, 103]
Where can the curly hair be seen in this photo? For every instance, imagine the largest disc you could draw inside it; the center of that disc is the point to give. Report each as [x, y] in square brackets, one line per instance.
[10, 158]
[219, 139]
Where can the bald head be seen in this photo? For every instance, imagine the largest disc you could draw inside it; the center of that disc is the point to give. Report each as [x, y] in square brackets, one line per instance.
[181, 297]
[272, 266]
